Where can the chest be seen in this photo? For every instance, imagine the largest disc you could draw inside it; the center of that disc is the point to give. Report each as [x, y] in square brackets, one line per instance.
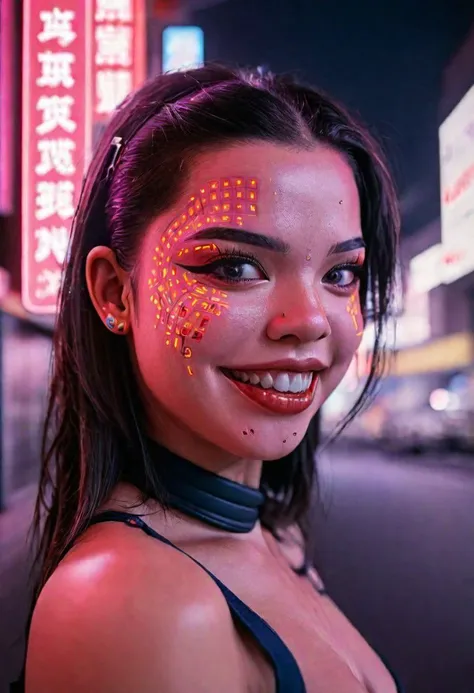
[319, 637]
[308, 629]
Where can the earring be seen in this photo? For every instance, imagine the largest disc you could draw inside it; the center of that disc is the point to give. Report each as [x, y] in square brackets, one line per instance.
[113, 324]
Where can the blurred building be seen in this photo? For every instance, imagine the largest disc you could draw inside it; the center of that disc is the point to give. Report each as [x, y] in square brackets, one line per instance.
[62, 73]
[428, 398]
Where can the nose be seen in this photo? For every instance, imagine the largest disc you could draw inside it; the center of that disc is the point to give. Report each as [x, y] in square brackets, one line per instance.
[301, 316]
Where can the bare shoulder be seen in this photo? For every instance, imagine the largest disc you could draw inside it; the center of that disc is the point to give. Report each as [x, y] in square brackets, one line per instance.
[123, 612]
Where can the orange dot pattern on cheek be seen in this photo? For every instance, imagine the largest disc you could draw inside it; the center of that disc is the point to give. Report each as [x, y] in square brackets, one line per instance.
[186, 306]
[353, 310]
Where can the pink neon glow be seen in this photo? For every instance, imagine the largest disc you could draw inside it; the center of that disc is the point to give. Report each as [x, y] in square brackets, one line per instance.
[67, 29]
[6, 106]
[118, 53]
[55, 136]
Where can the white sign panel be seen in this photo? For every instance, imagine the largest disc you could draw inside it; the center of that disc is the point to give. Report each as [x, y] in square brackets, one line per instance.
[427, 269]
[183, 48]
[456, 140]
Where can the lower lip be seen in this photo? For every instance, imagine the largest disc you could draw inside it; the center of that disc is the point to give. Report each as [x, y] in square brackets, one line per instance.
[286, 403]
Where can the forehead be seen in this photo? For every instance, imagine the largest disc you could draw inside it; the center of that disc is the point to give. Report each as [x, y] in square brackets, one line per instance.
[294, 186]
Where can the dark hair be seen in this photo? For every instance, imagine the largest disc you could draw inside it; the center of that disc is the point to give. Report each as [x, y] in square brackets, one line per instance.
[95, 418]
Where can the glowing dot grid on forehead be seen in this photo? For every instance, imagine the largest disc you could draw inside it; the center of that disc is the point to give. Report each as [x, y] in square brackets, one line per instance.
[186, 311]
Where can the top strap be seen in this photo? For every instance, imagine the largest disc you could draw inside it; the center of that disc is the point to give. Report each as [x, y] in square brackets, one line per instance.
[287, 673]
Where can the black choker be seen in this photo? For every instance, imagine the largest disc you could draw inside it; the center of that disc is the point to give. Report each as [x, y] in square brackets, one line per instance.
[206, 496]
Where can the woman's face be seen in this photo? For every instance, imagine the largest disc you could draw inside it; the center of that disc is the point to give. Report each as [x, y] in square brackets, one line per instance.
[248, 309]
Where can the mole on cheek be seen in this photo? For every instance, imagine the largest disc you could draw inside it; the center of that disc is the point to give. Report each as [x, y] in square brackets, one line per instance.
[185, 307]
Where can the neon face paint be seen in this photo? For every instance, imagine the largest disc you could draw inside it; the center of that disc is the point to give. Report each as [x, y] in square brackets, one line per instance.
[185, 305]
[353, 310]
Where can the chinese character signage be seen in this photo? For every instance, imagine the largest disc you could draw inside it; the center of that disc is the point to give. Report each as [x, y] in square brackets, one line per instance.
[55, 138]
[118, 52]
[69, 47]
[6, 106]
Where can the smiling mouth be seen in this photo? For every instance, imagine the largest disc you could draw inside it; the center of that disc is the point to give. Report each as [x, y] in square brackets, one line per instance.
[272, 390]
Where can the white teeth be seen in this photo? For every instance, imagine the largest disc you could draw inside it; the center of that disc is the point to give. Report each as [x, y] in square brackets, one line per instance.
[266, 381]
[280, 381]
[240, 375]
[297, 384]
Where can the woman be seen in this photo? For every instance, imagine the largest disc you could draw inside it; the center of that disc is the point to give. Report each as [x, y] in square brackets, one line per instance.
[230, 231]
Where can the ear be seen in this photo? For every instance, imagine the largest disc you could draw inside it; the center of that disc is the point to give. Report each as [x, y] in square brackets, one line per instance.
[109, 289]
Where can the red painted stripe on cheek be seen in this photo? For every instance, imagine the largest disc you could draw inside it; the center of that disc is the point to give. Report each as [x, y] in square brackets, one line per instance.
[354, 311]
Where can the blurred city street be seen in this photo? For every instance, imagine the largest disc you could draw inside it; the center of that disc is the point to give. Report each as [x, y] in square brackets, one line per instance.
[394, 537]
[394, 550]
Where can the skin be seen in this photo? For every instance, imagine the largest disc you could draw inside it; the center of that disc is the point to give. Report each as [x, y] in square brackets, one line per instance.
[131, 620]
[308, 199]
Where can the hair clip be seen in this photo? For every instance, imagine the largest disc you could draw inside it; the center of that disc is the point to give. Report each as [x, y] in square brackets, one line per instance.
[117, 144]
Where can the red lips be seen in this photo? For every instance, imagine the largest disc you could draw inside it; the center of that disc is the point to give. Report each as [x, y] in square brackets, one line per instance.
[283, 403]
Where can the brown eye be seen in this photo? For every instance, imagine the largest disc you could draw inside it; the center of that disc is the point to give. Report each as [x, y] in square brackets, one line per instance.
[237, 271]
[344, 277]
[233, 269]
[341, 277]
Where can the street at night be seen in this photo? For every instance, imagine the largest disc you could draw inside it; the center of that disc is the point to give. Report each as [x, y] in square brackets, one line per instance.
[395, 553]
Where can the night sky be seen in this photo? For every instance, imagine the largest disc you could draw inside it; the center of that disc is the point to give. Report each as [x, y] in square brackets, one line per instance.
[382, 59]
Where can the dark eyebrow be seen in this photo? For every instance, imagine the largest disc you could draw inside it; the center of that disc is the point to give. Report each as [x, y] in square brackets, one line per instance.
[346, 246]
[242, 236]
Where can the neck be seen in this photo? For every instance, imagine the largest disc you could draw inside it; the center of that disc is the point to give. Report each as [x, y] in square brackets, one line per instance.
[243, 471]
[214, 459]
[201, 493]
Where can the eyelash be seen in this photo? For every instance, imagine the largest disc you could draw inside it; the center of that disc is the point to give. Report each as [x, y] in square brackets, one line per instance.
[236, 257]
[356, 268]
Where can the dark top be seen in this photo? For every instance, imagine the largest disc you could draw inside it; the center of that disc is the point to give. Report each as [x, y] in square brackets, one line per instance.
[287, 673]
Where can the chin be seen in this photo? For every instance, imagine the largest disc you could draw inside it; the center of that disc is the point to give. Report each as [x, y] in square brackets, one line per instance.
[251, 432]
[265, 440]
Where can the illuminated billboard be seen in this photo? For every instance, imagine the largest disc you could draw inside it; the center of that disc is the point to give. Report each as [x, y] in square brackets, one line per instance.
[56, 135]
[118, 52]
[72, 54]
[183, 48]
[456, 140]
[6, 106]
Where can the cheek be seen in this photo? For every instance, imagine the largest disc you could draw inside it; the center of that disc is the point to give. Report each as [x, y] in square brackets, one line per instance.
[180, 311]
[203, 327]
